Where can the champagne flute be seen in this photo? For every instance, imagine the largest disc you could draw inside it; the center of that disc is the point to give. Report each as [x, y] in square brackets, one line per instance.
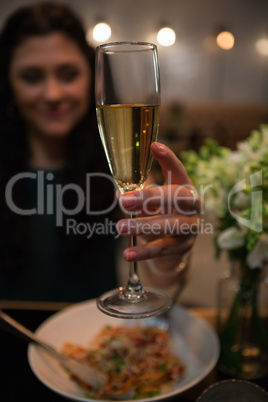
[128, 102]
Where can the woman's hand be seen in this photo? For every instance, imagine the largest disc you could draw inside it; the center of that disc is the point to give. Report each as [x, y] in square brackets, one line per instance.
[166, 216]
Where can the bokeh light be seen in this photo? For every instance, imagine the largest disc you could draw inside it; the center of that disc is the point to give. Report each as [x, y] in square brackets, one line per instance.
[225, 40]
[166, 36]
[262, 46]
[102, 32]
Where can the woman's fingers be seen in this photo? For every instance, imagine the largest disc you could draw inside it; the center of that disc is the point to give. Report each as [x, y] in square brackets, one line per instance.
[167, 217]
[173, 245]
[171, 166]
[161, 200]
[159, 225]
[177, 195]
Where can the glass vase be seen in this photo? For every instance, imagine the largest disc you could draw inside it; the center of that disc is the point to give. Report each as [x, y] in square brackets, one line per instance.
[243, 322]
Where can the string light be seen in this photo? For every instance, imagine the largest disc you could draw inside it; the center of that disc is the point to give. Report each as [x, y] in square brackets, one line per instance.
[166, 36]
[102, 32]
[225, 40]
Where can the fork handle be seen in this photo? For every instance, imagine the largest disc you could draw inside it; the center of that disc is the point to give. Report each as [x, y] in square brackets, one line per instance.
[15, 328]
[9, 324]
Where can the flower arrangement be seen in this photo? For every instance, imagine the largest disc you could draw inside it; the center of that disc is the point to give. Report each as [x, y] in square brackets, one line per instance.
[234, 186]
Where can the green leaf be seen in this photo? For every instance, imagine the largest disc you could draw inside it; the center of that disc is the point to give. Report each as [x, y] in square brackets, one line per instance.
[163, 367]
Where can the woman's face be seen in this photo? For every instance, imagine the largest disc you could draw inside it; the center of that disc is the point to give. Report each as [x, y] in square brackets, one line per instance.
[50, 79]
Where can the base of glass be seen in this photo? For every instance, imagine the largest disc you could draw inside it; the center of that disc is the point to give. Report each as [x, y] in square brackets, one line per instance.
[152, 302]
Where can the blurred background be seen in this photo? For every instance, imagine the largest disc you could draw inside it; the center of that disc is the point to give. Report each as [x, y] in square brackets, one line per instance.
[207, 90]
[210, 87]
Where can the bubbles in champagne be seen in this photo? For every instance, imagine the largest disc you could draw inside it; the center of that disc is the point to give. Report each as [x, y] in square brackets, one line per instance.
[127, 132]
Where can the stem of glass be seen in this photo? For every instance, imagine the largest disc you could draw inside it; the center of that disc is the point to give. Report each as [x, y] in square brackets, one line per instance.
[133, 291]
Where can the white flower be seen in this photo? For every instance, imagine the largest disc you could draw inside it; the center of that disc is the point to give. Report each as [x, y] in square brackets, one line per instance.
[236, 158]
[248, 153]
[259, 255]
[230, 183]
[264, 132]
[231, 238]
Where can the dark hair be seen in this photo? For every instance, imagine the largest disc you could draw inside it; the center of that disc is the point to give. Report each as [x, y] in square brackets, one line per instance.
[84, 155]
[39, 19]
[33, 20]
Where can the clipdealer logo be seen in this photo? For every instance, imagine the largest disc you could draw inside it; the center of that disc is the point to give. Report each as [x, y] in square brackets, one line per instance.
[50, 196]
[50, 201]
[255, 221]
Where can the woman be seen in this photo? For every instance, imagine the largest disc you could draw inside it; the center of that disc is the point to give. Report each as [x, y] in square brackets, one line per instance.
[50, 152]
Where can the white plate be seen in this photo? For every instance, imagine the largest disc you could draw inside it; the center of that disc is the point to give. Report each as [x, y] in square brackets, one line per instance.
[194, 341]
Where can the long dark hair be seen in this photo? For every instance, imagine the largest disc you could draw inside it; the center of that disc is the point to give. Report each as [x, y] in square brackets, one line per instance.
[40, 19]
[85, 152]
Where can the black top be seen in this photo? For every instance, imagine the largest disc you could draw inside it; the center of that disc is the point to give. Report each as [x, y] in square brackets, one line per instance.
[70, 253]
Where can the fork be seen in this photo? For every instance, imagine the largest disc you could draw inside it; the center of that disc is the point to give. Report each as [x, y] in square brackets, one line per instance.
[84, 371]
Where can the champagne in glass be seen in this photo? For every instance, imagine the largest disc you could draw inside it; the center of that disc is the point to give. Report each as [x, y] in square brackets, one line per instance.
[128, 103]
[128, 152]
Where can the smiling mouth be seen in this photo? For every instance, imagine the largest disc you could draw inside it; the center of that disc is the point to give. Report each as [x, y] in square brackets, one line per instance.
[55, 114]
